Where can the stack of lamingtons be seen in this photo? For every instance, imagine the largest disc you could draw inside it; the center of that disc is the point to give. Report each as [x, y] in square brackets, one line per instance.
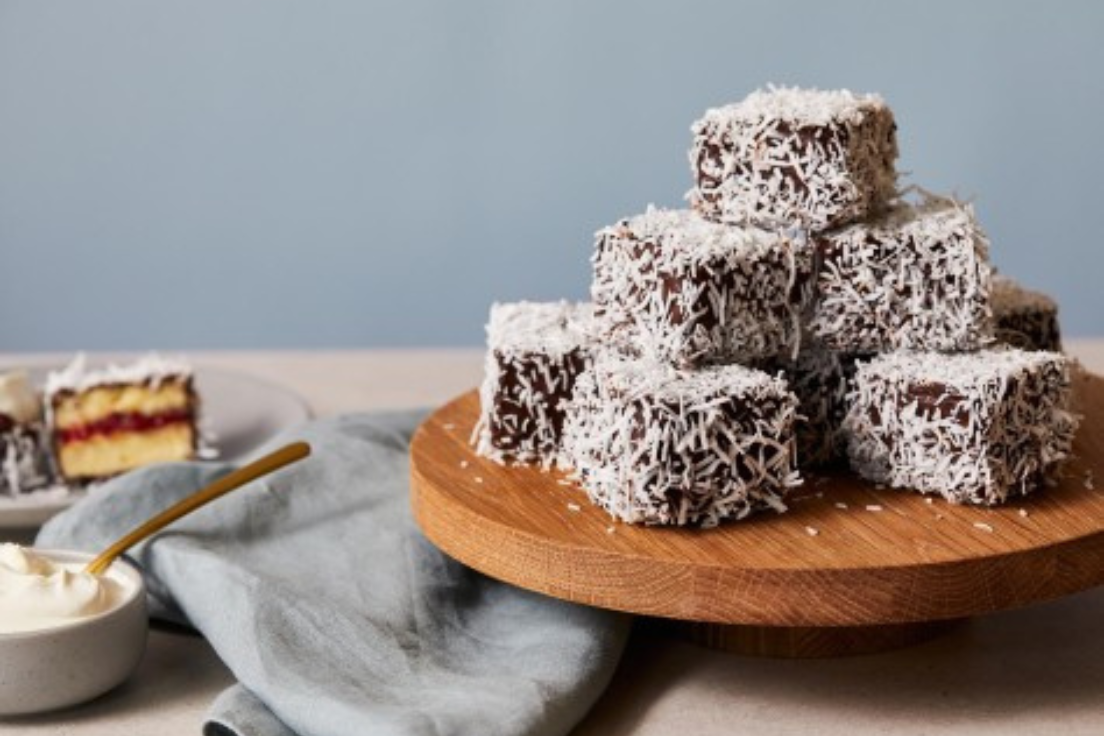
[804, 309]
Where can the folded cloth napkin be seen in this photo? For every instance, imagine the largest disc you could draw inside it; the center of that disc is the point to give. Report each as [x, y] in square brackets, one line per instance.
[336, 616]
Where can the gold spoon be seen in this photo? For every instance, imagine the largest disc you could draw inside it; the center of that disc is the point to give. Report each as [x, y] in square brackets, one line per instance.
[271, 462]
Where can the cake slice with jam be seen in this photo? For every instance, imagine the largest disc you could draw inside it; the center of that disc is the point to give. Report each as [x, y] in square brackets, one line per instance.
[108, 421]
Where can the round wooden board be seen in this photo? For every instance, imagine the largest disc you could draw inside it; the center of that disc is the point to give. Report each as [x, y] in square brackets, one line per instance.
[846, 554]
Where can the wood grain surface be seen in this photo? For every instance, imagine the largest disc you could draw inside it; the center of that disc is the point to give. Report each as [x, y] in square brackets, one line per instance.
[888, 557]
[801, 642]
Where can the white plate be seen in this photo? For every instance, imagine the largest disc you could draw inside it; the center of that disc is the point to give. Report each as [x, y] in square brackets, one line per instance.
[240, 411]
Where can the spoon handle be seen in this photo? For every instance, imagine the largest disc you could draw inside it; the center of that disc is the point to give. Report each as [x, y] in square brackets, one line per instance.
[263, 466]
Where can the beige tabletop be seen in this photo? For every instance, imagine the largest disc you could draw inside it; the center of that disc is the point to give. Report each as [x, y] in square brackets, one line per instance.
[1032, 671]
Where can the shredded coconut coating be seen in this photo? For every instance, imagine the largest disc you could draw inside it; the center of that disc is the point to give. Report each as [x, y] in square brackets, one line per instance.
[794, 157]
[534, 353]
[655, 445]
[23, 464]
[976, 428]
[687, 291]
[917, 278]
[1024, 318]
[152, 369]
[821, 379]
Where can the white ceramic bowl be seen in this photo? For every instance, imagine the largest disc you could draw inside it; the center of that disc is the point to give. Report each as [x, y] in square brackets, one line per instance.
[69, 664]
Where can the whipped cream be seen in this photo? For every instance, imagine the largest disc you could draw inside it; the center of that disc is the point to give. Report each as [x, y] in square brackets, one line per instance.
[37, 592]
[17, 399]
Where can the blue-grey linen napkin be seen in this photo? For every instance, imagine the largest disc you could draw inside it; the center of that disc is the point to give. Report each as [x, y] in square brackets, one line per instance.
[335, 614]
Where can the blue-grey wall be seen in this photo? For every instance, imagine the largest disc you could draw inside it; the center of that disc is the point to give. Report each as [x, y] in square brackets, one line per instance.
[276, 173]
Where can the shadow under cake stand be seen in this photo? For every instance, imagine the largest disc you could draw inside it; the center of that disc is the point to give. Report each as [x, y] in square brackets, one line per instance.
[851, 568]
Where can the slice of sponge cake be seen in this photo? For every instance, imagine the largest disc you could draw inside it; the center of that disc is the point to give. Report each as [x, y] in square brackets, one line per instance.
[108, 421]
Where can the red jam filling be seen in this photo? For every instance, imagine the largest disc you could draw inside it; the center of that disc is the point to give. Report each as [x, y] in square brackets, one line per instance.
[124, 422]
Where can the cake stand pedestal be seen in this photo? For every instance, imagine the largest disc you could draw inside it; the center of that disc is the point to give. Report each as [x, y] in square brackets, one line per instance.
[850, 569]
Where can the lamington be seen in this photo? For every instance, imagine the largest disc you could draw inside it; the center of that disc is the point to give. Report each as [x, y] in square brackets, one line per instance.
[977, 428]
[655, 445]
[916, 277]
[1024, 318]
[23, 464]
[794, 157]
[105, 422]
[683, 290]
[535, 351]
[821, 380]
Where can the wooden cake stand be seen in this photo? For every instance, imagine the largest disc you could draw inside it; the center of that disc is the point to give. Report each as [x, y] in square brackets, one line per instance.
[851, 568]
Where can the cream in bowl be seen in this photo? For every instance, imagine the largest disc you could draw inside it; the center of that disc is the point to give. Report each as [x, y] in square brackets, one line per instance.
[40, 592]
[66, 635]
